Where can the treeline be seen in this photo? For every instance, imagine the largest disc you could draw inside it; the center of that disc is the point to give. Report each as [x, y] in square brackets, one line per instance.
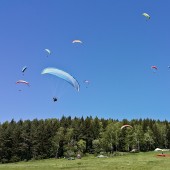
[40, 139]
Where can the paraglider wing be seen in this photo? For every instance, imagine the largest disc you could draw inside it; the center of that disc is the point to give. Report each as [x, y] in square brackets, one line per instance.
[86, 81]
[48, 51]
[63, 75]
[77, 41]
[24, 68]
[146, 15]
[22, 81]
[126, 126]
[154, 67]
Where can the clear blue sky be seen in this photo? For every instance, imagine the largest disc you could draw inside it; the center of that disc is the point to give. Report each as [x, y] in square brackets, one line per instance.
[119, 47]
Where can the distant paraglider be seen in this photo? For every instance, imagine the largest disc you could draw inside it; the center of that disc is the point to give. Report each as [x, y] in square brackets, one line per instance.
[63, 75]
[24, 69]
[87, 82]
[154, 68]
[48, 52]
[54, 99]
[126, 126]
[22, 81]
[146, 15]
[77, 41]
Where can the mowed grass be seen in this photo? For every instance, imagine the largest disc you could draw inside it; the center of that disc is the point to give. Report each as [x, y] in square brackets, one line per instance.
[130, 161]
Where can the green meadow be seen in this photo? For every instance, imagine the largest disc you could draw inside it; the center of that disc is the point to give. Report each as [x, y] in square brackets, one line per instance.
[129, 161]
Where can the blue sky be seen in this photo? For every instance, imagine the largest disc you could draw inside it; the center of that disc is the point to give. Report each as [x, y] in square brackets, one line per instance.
[119, 47]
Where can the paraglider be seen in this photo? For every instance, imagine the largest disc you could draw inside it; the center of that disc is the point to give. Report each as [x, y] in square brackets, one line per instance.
[54, 99]
[154, 68]
[77, 41]
[87, 82]
[23, 69]
[63, 75]
[48, 52]
[22, 82]
[146, 15]
[126, 126]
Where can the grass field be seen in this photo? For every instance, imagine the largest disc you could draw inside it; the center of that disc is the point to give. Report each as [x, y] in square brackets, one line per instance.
[130, 161]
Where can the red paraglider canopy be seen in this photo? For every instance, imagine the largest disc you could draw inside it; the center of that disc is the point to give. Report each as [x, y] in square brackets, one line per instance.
[154, 67]
[22, 81]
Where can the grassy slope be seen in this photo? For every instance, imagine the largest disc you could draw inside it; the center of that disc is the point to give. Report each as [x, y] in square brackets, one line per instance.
[141, 161]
